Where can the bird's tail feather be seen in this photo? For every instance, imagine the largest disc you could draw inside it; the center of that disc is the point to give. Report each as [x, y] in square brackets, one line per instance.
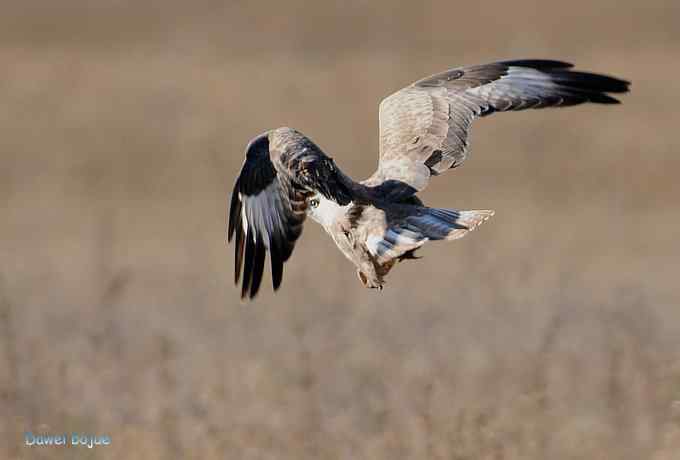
[448, 224]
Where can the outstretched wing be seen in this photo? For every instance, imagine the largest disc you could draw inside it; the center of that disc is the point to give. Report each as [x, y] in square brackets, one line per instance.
[269, 202]
[424, 127]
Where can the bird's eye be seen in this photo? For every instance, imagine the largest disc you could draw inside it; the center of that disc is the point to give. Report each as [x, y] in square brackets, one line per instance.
[314, 202]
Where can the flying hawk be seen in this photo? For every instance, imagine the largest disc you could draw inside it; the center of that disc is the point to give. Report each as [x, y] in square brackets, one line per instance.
[423, 132]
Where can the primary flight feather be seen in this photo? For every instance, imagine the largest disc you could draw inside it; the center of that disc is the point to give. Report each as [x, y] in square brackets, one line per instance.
[379, 221]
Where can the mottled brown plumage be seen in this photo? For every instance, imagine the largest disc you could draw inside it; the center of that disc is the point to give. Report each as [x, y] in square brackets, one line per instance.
[380, 221]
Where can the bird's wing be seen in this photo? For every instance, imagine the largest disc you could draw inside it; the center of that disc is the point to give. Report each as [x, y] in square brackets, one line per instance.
[424, 127]
[269, 202]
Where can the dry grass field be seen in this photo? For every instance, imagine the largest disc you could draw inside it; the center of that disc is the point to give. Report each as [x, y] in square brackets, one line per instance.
[552, 332]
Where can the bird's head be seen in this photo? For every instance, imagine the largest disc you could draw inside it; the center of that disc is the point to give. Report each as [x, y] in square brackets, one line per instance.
[322, 210]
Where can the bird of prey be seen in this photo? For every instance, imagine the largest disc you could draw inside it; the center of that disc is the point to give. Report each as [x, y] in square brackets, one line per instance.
[380, 221]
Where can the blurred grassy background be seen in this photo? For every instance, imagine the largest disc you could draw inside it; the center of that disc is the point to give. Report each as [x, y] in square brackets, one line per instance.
[553, 332]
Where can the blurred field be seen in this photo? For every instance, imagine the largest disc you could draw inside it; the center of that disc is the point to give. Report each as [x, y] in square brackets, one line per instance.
[553, 332]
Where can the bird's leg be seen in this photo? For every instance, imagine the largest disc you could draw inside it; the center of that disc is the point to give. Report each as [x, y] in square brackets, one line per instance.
[362, 278]
[368, 282]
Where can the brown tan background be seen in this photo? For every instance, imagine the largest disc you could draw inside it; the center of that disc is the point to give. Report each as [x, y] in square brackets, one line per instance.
[553, 332]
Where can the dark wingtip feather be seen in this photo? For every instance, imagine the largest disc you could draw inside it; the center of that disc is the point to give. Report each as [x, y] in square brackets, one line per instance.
[601, 98]
[579, 86]
[234, 212]
[276, 264]
[590, 81]
[238, 253]
[540, 64]
[248, 266]
[591, 87]
[258, 268]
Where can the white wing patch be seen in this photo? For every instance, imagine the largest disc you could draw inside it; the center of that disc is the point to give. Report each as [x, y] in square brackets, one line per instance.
[261, 211]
